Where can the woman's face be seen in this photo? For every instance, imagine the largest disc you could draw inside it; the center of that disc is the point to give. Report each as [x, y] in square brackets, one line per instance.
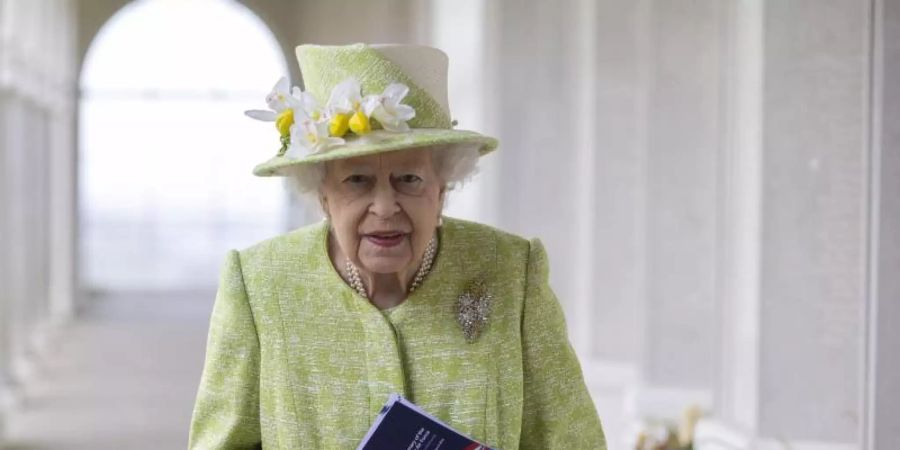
[383, 208]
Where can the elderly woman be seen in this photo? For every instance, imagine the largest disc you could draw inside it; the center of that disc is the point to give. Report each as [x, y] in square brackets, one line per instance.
[312, 331]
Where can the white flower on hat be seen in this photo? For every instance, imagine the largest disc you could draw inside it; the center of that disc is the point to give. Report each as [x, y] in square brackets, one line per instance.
[387, 109]
[345, 97]
[281, 99]
[277, 101]
[305, 127]
[281, 110]
[308, 135]
[345, 110]
[286, 107]
[309, 104]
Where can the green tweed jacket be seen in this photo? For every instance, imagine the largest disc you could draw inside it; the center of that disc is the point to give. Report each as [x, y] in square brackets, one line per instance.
[296, 359]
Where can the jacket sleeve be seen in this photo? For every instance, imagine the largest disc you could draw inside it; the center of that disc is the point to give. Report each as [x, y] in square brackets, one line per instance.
[558, 410]
[226, 412]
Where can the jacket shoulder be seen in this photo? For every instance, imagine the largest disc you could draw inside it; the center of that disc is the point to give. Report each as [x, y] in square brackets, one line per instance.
[468, 227]
[505, 247]
[297, 247]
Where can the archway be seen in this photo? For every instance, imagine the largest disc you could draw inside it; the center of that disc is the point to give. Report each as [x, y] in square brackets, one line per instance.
[165, 151]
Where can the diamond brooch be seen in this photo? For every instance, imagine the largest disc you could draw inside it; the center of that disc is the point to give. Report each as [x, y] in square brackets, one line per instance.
[473, 310]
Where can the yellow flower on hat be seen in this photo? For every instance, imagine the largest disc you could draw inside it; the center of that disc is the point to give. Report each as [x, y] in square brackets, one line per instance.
[345, 109]
[339, 124]
[283, 122]
[359, 123]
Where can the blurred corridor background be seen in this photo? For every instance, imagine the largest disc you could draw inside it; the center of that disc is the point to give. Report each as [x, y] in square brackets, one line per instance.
[717, 183]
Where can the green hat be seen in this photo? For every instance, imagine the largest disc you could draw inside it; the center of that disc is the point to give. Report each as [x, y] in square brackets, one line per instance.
[362, 100]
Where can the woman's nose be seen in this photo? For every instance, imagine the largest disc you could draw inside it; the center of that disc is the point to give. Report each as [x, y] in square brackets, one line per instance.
[385, 202]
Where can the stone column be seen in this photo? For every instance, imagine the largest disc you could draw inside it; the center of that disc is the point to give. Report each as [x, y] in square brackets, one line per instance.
[22, 205]
[63, 188]
[680, 70]
[813, 233]
[17, 190]
[40, 270]
[616, 130]
[539, 182]
[7, 390]
[14, 249]
[882, 424]
[35, 264]
[739, 255]
[795, 262]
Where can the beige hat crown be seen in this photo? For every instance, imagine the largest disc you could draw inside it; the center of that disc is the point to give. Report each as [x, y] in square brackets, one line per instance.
[426, 66]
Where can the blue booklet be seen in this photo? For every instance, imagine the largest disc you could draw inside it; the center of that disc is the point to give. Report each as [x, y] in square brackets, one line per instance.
[401, 425]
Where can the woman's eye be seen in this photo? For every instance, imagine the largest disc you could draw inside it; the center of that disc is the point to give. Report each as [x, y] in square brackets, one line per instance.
[410, 178]
[355, 179]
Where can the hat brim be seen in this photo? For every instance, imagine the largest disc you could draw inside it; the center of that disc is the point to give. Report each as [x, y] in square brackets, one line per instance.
[381, 141]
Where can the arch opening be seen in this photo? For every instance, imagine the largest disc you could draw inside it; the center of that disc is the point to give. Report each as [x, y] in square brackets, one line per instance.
[165, 152]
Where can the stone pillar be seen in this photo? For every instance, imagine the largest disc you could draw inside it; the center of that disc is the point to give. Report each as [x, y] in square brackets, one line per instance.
[739, 255]
[534, 106]
[37, 218]
[40, 270]
[63, 188]
[7, 390]
[21, 257]
[679, 209]
[6, 386]
[17, 192]
[63, 214]
[14, 273]
[882, 430]
[617, 126]
[813, 218]
[797, 188]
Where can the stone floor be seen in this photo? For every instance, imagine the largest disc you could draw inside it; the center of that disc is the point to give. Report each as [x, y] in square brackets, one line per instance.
[125, 374]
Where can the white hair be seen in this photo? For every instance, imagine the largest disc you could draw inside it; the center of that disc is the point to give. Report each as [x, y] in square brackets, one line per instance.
[455, 164]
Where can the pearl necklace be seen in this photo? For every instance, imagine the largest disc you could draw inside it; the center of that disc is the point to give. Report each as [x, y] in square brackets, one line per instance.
[427, 260]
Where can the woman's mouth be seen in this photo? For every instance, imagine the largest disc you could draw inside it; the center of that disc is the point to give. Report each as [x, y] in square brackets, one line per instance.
[386, 239]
